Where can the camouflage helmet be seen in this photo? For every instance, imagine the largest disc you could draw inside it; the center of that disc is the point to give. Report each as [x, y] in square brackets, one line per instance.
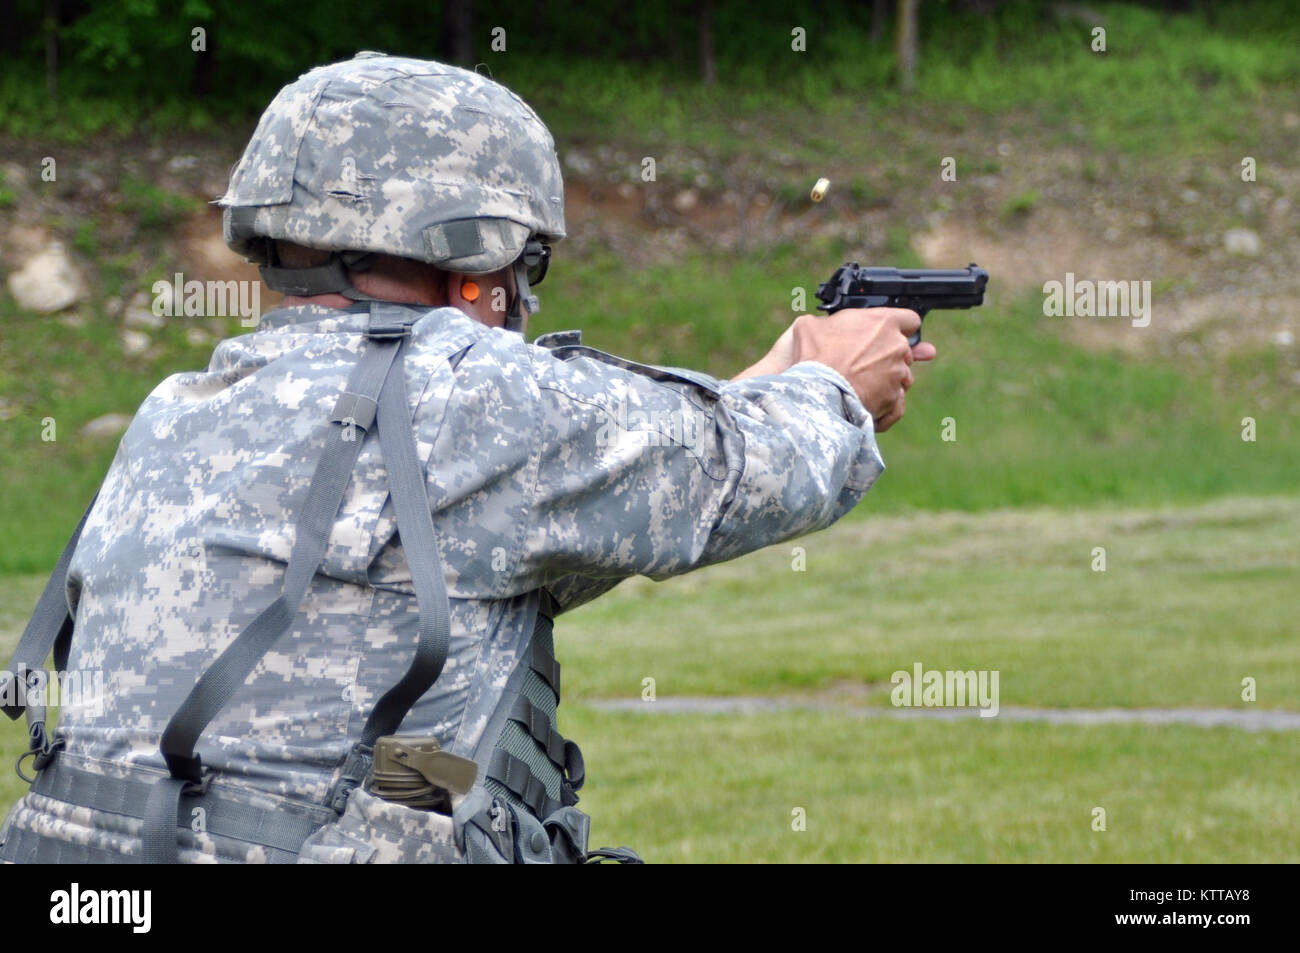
[385, 154]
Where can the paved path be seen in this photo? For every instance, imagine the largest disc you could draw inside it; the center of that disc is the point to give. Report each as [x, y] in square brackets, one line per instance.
[1248, 720]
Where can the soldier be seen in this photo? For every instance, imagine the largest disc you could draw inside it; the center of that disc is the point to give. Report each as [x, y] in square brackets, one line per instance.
[364, 515]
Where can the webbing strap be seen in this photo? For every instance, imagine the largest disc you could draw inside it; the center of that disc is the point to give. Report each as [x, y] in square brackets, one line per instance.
[50, 627]
[544, 664]
[220, 682]
[537, 723]
[284, 828]
[406, 484]
[161, 813]
[514, 775]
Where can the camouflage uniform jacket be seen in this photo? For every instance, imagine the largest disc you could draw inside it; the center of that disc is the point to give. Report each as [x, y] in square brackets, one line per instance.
[567, 469]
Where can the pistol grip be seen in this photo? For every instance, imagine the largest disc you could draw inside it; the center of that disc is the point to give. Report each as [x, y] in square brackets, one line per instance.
[915, 339]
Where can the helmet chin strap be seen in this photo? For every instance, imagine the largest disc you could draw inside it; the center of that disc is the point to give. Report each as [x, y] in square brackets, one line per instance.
[525, 302]
[329, 278]
[332, 278]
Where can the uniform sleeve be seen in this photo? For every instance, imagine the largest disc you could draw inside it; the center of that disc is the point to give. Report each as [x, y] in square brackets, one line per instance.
[657, 471]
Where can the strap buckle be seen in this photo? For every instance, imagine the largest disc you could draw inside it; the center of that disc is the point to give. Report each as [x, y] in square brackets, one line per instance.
[354, 772]
[185, 767]
[381, 329]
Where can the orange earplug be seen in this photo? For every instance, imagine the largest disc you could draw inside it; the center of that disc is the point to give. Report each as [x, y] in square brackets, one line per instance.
[469, 290]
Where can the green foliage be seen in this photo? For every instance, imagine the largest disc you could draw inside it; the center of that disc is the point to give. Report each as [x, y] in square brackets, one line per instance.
[129, 63]
[8, 197]
[1019, 206]
[152, 206]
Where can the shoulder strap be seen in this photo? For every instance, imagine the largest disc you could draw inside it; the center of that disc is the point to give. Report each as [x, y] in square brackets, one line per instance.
[406, 484]
[50, 627]
[356, 408]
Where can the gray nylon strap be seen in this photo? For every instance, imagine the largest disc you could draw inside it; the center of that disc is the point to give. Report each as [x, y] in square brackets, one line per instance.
[406, 484]
[220, 682]
[544, 664]
[49, 621]
[161, 810]
[514, 775]
[281, 829]
[538, 725]
[324, 496]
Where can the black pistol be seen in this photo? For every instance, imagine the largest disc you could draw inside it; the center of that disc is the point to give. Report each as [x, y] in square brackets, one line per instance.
[918, 289]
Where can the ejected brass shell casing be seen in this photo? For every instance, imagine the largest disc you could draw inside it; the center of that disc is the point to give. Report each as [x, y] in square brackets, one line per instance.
[819, 189]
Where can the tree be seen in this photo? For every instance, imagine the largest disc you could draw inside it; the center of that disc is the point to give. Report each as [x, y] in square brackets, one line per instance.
[905, 44]
[457, 32]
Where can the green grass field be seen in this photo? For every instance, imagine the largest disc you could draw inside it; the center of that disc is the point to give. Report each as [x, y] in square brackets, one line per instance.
[1193, 600]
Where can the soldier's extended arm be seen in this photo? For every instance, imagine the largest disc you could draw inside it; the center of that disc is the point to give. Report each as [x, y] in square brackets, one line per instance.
[656, 471]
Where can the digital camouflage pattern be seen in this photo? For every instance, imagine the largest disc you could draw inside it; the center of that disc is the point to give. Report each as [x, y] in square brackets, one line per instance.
[401, 156]
[567, 469]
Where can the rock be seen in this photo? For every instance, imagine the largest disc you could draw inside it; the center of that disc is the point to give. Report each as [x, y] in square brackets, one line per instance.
[1191, 196]
[197, 337]
[139, 314]
[686, 199]
[134, 342]
[579, 163]
[7, 409]
[110, 425]
[89, 183]
[1284, 338]
[182, 163]
[48, 282]
[1241, 241]
[14, 176]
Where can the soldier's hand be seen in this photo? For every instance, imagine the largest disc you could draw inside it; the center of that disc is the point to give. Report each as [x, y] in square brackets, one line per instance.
[869, 347]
